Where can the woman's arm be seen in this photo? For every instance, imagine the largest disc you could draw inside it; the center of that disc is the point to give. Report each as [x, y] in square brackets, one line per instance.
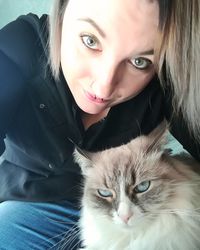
[15, 67]
[11, 92]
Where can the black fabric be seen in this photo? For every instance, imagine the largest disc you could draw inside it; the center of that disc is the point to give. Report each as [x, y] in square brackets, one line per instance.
[40, 122]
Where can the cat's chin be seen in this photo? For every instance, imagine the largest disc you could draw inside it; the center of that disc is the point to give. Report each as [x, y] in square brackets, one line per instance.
[121, 224]
[124, 226]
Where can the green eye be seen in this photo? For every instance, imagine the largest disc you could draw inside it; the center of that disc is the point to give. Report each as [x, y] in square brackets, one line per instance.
[141, 62]
[105, 193]
[89, 41]
[142, 187]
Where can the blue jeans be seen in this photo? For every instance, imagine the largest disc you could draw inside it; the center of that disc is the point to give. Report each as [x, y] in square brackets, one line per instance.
[38, 226]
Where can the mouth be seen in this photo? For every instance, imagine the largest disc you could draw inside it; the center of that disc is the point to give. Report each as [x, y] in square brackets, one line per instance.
[95, 98]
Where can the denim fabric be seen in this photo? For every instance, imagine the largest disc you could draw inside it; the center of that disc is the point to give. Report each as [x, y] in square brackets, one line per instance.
[38, 226]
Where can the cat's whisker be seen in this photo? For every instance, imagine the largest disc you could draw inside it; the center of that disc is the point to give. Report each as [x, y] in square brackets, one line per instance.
[65, 222]
[73, 237]
[70, 240]
[66, 236]
[67, 242]
[68, 222]
[186, 212]
[188, 184]
[58, 243]
[57, 236]
[182, 210]
[75, 245]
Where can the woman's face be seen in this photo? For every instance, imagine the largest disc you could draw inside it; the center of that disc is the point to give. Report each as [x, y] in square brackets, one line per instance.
[107, 52]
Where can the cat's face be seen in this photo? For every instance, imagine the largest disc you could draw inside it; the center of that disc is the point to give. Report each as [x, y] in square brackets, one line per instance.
[129, 182]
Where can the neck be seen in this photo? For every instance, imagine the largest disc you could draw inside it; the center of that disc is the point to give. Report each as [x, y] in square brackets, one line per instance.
[90, 119]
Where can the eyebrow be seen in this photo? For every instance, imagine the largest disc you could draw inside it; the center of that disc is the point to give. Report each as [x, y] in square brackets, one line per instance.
[147, 52]
[94, 24]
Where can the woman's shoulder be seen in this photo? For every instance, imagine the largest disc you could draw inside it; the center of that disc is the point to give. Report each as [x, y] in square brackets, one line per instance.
[21, 49]
[24, 40]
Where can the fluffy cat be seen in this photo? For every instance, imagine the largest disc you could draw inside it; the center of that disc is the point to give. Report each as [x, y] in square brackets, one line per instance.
[138, 197]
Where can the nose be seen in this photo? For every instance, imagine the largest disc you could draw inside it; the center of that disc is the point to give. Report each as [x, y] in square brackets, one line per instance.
[124, 211]
[125, 217]
[106, 79]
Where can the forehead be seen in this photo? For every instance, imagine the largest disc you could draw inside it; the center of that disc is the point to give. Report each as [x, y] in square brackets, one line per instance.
[129, 11]
[119, 18]
[96, 6]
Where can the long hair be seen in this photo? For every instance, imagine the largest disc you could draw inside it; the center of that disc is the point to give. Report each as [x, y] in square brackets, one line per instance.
[178, 57]
[55, 31]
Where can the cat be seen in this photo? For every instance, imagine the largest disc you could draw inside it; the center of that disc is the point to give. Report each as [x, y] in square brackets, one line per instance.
[139, 197]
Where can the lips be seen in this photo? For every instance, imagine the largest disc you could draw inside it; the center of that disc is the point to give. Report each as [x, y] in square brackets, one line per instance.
[94, 98]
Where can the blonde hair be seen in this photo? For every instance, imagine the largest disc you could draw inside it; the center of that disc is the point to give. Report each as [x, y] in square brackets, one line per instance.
[178, 56]
[55, 31]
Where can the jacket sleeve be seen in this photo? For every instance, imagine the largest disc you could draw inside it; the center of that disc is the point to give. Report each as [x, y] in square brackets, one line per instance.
[15, 65]
[11, 92]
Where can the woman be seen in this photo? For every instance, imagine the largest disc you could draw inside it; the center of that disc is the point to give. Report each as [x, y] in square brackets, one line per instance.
[99, 91]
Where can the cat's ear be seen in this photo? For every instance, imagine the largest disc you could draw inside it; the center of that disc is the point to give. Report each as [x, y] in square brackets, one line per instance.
[157, 139]
[82, 158]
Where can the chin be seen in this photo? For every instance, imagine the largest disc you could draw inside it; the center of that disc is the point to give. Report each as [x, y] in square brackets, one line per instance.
[91, 110]
[122, 225]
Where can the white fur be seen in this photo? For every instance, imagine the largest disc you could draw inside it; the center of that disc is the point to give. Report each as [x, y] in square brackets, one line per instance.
[179, 230]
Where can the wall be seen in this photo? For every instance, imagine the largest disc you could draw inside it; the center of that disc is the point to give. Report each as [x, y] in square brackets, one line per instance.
[11, 9]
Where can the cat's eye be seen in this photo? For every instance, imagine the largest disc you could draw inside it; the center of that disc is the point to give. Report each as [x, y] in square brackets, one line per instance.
[141, 63]
[142, 187]
[105, 193]
[90, 41]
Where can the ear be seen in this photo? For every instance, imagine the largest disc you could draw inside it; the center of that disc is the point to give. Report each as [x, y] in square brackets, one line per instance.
[157, 139]
[82, 158]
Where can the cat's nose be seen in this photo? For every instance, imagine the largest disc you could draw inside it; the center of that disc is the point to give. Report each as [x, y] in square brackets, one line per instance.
[124, 211]
[125, 217]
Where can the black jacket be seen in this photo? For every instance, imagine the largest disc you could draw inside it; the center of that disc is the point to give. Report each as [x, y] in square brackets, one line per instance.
[40, 123]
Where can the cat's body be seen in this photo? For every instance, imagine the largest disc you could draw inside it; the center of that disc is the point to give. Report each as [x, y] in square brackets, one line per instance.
[136, 197]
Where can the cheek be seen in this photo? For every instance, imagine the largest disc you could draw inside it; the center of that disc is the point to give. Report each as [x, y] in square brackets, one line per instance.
[74, 65]
[137, 83]
[69, 57]
[143, 80]
[72, 62]
[154, 199]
